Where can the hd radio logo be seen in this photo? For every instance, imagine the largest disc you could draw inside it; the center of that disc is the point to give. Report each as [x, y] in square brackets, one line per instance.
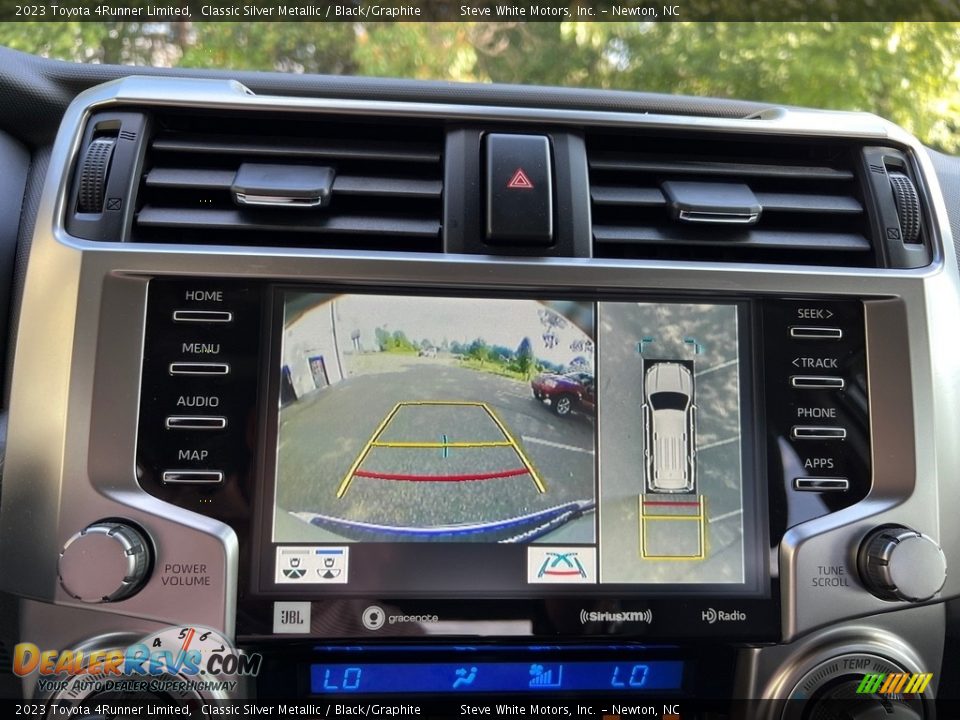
[894, 683]
[182, 655]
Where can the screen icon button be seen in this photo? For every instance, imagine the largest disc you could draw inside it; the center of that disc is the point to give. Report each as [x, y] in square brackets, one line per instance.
[561, 565]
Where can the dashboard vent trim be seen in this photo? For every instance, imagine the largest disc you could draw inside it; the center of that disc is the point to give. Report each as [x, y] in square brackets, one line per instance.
[810, 200]
[386, 192]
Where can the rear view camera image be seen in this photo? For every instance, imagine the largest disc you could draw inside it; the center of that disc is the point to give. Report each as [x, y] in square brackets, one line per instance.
[671, 481]
[435, 419]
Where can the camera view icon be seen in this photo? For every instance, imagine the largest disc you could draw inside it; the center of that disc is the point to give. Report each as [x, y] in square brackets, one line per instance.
[561, 564]
[374, 617]
[312, 564]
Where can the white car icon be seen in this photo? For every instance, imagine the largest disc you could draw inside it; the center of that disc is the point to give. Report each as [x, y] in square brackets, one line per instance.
[669, 421]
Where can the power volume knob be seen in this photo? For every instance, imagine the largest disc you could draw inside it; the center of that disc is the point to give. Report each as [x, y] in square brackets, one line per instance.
[897, 563]
[106, 562]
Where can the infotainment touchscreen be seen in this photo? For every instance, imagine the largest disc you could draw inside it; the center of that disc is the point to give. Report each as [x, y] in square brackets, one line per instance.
[444, 446]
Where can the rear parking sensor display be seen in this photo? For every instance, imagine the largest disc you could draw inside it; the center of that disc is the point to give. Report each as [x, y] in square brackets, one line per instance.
[520, 446]
[409, 419]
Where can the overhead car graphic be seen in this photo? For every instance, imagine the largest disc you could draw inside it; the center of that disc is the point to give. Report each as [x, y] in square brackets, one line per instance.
[669, 423]
[575, 391]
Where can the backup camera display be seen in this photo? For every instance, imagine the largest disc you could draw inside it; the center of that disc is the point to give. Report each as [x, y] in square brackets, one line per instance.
[412, 419]
[520, 443]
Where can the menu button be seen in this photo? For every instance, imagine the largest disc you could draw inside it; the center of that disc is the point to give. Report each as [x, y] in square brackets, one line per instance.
[199, 368]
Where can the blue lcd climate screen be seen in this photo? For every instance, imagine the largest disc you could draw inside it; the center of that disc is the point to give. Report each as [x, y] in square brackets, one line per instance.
[481, 677]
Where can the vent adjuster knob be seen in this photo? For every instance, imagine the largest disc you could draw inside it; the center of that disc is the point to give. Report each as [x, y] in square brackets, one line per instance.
[908, 206]
[94, 169]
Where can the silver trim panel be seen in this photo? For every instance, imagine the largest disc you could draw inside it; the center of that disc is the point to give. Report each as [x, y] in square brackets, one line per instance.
[74, 404]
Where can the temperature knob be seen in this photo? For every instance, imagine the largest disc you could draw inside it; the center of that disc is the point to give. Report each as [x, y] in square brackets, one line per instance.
[107, 561]
[897, 563]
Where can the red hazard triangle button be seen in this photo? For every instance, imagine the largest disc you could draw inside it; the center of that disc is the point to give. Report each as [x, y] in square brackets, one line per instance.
[520, 181]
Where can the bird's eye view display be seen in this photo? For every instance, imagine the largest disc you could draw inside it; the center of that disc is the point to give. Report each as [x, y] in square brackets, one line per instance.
[435, 419]
[671, 476]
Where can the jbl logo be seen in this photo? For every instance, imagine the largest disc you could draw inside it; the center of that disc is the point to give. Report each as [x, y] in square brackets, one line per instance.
[894, 683]
[290, 617]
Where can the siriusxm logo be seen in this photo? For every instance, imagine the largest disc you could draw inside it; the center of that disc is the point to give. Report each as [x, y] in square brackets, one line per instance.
[618, 616]
[711, 616]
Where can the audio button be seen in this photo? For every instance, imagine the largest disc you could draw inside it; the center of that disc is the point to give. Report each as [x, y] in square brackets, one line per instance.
[195, 422]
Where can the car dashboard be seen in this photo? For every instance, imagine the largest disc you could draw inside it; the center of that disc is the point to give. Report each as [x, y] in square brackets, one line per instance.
[413, 392]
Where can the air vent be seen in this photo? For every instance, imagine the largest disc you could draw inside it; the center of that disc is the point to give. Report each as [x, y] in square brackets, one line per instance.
[761, 200]
[370, 184]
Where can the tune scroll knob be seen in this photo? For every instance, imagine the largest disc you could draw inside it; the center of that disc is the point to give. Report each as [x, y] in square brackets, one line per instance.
[897, 563]
[105, 562]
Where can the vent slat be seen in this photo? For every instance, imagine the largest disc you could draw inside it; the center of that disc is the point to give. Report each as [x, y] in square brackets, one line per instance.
[706, 168]
[202, 179]
[799, 202]
[387, 187]
[767, 239]
[627, 196]
[205, 179]
[283, 147]
[303, 222]
[770, 201]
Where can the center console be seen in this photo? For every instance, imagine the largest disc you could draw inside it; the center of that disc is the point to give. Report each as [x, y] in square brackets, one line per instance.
[396, 476]
[593, 460]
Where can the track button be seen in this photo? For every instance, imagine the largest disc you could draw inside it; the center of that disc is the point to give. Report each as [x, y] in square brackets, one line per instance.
[817, 382]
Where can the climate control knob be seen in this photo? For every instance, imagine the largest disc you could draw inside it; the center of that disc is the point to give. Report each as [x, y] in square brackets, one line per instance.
[897, 563]
[107, 561]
